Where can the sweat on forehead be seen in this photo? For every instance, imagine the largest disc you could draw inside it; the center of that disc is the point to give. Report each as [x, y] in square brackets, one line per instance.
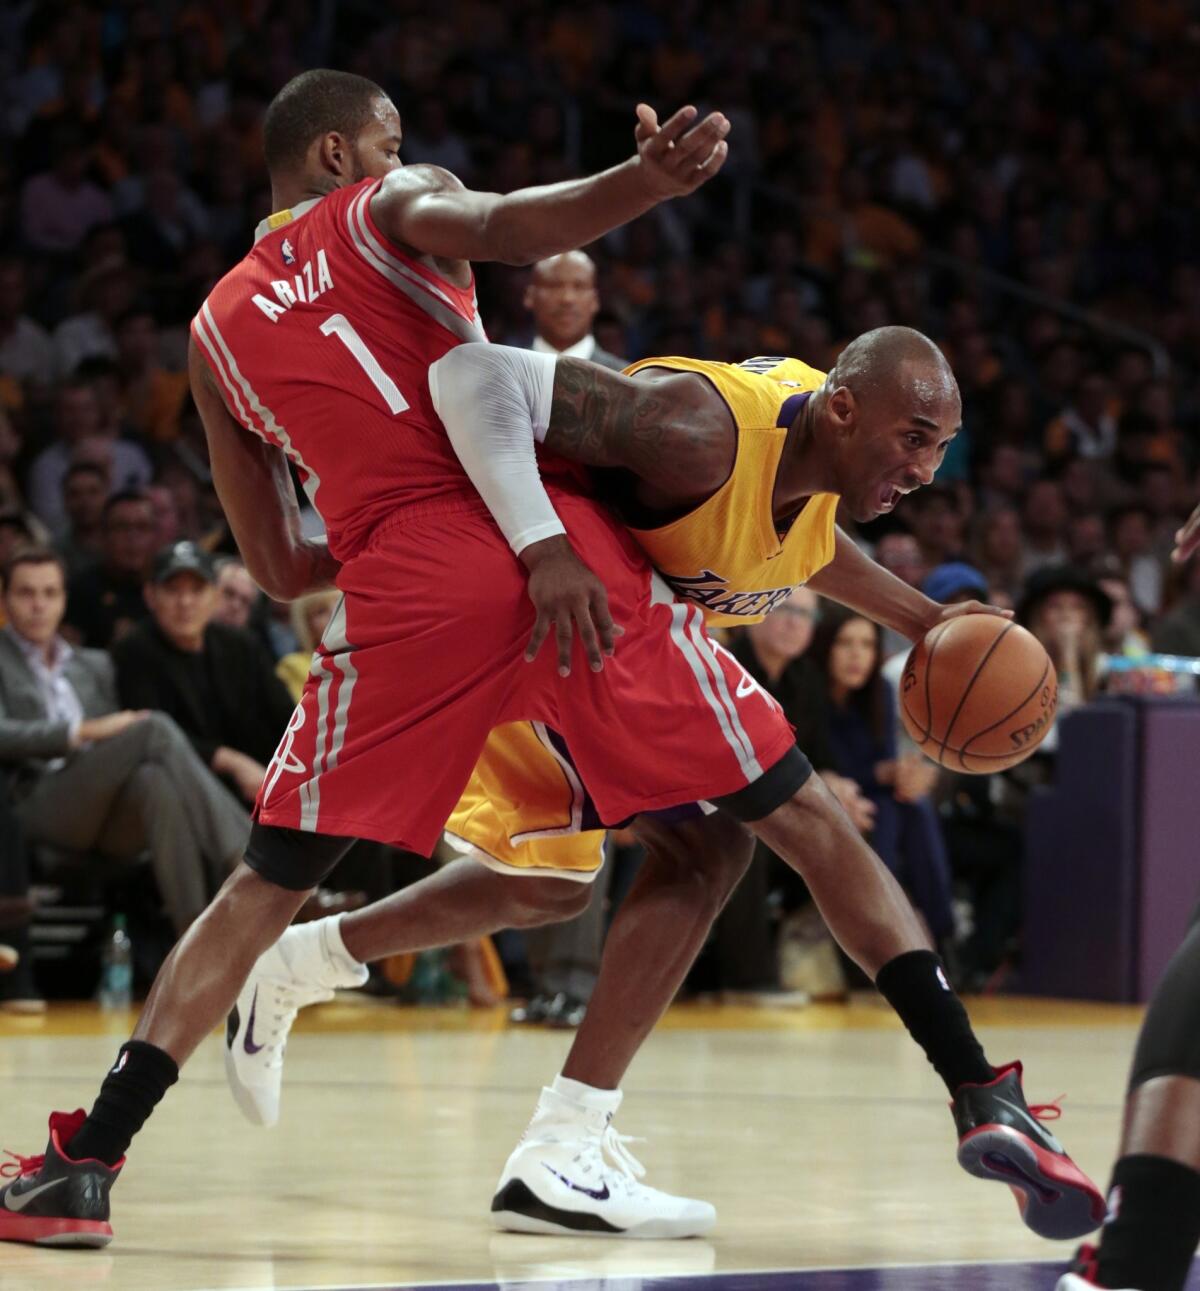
[898, 359]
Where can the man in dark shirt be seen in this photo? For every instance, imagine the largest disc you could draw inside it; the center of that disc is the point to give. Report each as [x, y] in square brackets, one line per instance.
[217, 682]
[105, 602]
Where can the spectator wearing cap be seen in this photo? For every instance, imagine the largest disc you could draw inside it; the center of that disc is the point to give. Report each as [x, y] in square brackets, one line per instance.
[106, 601]
[564, 302]
[90, 777]
[217, 682]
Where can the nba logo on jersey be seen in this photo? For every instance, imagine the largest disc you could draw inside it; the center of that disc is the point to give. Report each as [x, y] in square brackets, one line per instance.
[289, 256]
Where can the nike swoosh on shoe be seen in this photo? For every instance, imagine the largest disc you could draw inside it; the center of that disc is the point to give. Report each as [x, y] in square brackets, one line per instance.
[18, 1201]
[1040, 1129]
[248, 1043]
[595, 1194]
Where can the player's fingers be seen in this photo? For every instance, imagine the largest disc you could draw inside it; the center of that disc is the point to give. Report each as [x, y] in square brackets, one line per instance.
[563, 635]
[707, 169]
[672, 129]
[603, 620]
[537, 636]
[589, 638]
[699, 142]
[647, 122]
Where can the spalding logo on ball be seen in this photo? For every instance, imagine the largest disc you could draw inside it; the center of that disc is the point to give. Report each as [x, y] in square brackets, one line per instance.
[978, 694]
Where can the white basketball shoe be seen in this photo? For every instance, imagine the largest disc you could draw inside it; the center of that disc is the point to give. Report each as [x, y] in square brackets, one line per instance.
[304, 967]
[572, 1174]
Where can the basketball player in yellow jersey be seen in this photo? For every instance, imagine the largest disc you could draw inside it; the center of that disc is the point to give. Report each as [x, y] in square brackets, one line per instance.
[729, 474]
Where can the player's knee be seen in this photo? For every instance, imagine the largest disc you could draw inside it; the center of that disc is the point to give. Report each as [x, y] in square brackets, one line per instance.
[540, 901]
[708, 857]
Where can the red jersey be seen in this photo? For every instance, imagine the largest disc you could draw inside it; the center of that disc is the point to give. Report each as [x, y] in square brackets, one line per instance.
[322, 338]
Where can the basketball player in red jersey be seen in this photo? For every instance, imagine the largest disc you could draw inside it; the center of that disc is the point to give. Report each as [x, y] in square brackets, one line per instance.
[315, 344]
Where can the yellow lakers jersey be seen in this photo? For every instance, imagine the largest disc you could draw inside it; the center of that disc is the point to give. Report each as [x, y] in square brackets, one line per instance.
[726, 554]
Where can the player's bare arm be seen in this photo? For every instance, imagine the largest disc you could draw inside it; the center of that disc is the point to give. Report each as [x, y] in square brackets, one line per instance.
[853, 579]
[672, 431]
[255, 489]
[427, 209]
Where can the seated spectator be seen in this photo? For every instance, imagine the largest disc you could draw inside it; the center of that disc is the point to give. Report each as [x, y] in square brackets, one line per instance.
[26, 352]
[60, 205]
[862, 733]
[217, 682]
[310, 617]
[1087, 540]
[105, 600]
[90, 778]
[937, 523]
[899, 553]
[237, 594]
[1124, 634]
[1068, 613]
[1133, 542]
[152, 397]
[999, 550]
[1045, 525]
[106, 290]
[76, 418]
[1087, 427]
[85, 491]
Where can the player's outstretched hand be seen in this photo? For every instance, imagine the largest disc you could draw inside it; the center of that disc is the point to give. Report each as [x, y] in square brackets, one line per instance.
[566, 594]
[677, 156]
[1187, 539]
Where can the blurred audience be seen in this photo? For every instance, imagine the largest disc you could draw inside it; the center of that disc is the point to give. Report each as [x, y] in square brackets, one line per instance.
[105, 598]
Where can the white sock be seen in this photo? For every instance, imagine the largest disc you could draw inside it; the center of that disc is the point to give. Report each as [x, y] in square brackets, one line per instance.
[605, 1100]
[336, 953]
[316, 948]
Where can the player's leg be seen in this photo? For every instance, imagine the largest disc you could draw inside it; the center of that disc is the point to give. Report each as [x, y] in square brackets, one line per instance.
[1000, 1136]
[1153, 1224]
[570, 1173]
[62, 1199]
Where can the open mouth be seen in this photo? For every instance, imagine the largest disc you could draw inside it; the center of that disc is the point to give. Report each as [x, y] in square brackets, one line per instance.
[886, 497]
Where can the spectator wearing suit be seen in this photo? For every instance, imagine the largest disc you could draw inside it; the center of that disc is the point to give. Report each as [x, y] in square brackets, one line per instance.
[88, 777]
[217, 682]
[563, 300]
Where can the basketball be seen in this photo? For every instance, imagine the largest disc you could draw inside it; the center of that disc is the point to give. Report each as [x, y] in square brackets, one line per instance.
[978, 694]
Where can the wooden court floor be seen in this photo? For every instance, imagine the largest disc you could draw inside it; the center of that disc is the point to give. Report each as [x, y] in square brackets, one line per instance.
[820, 1135]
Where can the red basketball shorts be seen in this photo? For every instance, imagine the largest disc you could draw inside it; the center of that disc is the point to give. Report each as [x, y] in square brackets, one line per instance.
[424, 656]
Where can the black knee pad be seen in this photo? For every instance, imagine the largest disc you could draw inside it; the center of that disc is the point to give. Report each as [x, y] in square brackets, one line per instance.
[292, 858]
[1169, 1044]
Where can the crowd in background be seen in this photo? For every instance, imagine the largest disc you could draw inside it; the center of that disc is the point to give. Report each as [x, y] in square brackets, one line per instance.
[1021, 189]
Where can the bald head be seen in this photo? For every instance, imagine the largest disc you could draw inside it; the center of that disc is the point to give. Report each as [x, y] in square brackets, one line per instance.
[890, 406]
[562, 298]
[893, 360]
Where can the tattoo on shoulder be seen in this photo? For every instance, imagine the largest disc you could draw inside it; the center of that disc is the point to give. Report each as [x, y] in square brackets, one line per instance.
[602, 419]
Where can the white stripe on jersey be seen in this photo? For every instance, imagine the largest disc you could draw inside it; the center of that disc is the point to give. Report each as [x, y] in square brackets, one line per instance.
[421, 292]
[217, 363]
[312, 481]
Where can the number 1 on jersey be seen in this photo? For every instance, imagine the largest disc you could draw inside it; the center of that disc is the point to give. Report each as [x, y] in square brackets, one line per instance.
[340, 326]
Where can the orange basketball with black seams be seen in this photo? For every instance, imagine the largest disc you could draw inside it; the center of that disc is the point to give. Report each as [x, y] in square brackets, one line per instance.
[978, 694]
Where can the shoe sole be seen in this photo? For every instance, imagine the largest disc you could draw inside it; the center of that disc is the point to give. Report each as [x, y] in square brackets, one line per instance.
[1055, 1197]
[517, 1209]
[36, 1231]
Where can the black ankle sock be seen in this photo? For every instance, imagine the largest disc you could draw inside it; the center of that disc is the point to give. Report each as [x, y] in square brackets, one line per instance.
[915, 985]
[131, 1091]
[1151, 1239]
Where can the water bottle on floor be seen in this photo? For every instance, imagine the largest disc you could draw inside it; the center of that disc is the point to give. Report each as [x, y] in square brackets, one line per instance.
[116, 972]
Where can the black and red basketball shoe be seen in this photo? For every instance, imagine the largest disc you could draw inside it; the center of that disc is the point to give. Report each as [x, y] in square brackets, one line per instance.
[1001, 1137]
[54, 1201]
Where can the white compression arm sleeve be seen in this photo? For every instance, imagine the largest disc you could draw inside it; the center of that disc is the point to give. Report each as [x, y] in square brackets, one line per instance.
[494, 402]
